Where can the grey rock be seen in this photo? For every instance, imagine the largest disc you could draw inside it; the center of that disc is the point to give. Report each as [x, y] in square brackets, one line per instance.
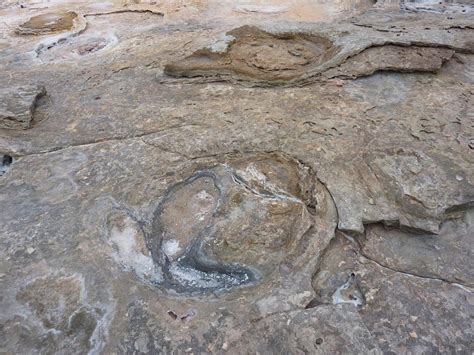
[447, 256]
[392, 58]
[316, 53]
[321, 330]
[399, 304]
[399, 308]
[450, 7]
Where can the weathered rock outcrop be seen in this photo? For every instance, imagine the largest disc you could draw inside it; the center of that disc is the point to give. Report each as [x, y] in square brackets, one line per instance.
[392, 58]
[309, 188]
[250, 54]
[292, 57]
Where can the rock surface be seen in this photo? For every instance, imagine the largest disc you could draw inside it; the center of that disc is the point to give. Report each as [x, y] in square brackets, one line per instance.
[17, 105]
[237, 177]
[251, 54]
[248, 54]
[47, 23]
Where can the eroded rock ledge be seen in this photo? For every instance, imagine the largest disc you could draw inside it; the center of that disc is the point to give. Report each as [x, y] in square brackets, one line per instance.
[256, 57]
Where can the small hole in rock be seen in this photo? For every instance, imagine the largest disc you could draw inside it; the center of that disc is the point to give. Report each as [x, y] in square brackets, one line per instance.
[5, 162]
[172, 315]
[319, 341]
[313, 303]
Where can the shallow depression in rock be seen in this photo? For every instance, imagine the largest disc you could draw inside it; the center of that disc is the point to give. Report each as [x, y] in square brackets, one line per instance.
[5, 162]
[231, 225]
[256, 202]
[48, 23]
[254, 55]
[73, 48]
[181, 222]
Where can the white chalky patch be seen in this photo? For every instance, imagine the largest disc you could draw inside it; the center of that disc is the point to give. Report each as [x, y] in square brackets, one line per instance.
[222, 44]
[128, 253]
[171, 247]
[251, 173]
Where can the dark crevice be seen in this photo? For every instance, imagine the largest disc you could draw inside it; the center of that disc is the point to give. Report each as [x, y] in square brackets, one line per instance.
[465, 287]
[313, 303]
[5, 162]
[139, 11]
[106, 140]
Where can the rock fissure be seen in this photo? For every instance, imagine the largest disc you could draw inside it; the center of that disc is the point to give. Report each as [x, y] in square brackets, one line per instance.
[412, 274]
[139, 11]
[105, 140]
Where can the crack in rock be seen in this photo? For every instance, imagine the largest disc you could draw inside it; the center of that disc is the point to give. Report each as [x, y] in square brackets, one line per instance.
[445, 257]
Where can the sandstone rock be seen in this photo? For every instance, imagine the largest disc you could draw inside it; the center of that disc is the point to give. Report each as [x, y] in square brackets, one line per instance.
[335, 273]
[256, 55]
[266, 9]
[330, 214]
[446, 256]
[322, 330]
[392, 58]
[65, 321]
[17, 105]
[238, 223]
[403, 304]
[457, 6]
[47, 23]
[409, 299]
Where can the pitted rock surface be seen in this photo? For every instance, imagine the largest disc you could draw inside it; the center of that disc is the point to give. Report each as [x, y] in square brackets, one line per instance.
[236, 177]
